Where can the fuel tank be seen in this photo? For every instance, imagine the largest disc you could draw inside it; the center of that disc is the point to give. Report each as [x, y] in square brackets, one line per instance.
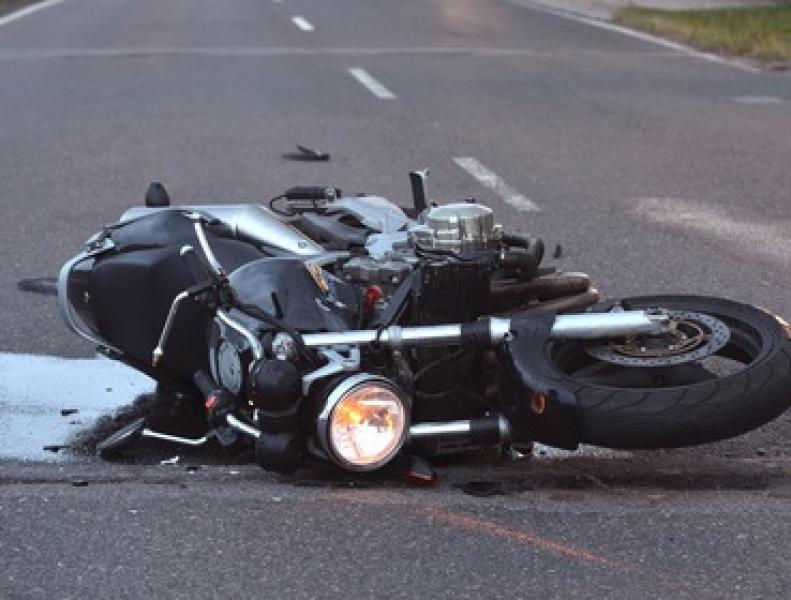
[251, 223]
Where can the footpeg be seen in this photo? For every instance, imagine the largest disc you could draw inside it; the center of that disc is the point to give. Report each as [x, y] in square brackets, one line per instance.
[137, 429]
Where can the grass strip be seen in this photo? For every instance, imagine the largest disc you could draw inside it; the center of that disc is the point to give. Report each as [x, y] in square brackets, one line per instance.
[759, 33]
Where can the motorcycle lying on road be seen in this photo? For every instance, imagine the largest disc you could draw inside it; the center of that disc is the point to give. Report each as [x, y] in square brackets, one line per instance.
[347, 329]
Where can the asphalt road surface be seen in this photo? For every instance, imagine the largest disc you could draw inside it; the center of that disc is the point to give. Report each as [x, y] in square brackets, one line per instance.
[657, 171]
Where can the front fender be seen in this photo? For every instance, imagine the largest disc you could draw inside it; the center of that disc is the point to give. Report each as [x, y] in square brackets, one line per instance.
[532, 397]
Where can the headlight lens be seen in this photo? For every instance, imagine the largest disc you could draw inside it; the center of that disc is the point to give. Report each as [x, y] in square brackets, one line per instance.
[364, 422]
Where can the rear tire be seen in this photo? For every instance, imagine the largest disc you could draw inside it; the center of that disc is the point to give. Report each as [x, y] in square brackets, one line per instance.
[680, 413]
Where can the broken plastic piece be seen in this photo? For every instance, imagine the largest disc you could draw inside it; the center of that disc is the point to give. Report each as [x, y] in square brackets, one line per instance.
[47, 286]
[417, 471]
[54, 448]
[307, 154]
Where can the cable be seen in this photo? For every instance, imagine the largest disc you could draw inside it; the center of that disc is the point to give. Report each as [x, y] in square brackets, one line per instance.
[309, 355]
[437, 363]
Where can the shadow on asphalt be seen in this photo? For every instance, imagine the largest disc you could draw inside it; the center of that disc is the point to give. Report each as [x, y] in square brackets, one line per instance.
[482, 474]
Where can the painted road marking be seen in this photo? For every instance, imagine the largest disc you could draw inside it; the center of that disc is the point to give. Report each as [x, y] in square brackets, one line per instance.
[34, 389]
[639, 35]
[258, 51]
[759, 100]
[34, 8]
[302, 23]
[491, 180]
[371, 84]
[768, 241]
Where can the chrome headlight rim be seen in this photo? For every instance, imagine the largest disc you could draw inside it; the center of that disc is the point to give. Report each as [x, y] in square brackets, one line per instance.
[342, 390]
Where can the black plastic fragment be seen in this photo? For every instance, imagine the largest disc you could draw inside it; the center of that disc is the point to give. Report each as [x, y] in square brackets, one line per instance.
[156, 195]
[65, 412]
[558, 253]
[304, 153]
[55, 448]
[47, 286]
[418, 471]
[80, 483]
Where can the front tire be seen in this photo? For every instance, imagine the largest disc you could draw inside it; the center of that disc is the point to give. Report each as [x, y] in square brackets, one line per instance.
[682, 404]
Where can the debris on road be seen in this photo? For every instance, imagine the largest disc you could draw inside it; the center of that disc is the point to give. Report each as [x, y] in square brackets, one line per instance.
[46, 286]
[307, 154]
[55, 448]
[170, 461]
[65, 412]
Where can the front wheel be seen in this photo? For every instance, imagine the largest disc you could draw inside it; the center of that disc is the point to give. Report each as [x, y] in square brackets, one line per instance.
[724, 369]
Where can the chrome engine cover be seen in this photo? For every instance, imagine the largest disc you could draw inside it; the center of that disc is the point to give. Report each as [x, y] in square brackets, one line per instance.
[457, 227]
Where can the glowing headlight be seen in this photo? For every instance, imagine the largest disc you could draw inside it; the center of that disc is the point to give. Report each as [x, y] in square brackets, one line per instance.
[363, 422]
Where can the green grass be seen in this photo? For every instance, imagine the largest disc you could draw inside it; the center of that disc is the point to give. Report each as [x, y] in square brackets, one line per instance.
[762, 33]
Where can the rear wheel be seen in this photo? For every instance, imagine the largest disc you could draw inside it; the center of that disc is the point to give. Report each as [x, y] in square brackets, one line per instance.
[724, 369]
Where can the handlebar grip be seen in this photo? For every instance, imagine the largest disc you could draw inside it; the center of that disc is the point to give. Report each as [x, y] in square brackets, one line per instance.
[314, 192]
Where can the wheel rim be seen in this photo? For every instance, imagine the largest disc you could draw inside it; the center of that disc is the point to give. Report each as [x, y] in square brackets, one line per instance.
[623, 363]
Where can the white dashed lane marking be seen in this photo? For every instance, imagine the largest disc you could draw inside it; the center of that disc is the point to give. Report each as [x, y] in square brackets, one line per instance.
[759, 100]
[371, 84]
[302, 23]
[492, 181]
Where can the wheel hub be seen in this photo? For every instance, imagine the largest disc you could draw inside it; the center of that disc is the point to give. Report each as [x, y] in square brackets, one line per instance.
[692, 336]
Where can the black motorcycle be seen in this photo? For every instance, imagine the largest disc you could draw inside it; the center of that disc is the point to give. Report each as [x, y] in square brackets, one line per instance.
[350, 330]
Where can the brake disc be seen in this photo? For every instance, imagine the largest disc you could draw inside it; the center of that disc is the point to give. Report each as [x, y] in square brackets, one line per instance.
[693, 336]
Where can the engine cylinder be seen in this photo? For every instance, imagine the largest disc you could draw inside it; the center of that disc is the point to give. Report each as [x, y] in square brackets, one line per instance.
[459, 227]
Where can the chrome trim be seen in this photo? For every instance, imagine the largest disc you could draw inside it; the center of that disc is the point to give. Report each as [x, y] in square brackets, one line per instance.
[166, 437]
[242, 427]
[336, 395]
[391, 336]
[73, 321]
[158, 353]
[255, 344]
[250, 222]
[451, 429]
[328, 258]
[336, 363]
[499, 329]
[197, 223]
[613, 324]
[579, 326]
[420, 431]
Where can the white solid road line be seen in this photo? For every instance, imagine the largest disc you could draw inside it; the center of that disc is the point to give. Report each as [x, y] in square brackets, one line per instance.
[759, 100]
[492, 181]
[372, 85]
[302, 23]
[29, 10]
[770, 241]
[645, 37]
